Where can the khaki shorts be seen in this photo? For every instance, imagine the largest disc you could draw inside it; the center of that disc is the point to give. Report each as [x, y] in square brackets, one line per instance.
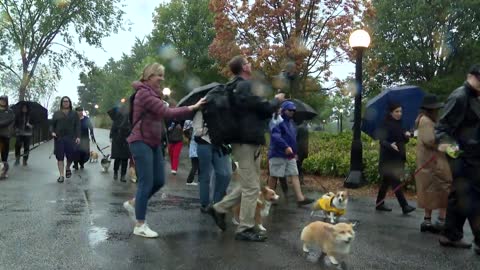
[282, 167]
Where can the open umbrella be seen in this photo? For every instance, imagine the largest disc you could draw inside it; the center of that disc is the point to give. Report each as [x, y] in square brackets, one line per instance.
[196, 94]
[304, 111]
[409, 97]
[38, 114]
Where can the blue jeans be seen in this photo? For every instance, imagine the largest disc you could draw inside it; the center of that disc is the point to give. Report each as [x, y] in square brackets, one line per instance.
[150, 168]
[211, 157]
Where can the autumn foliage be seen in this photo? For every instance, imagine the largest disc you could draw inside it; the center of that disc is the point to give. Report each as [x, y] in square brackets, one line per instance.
[313, 35]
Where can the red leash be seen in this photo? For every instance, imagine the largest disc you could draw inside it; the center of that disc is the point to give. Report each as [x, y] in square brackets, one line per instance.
[434, 157]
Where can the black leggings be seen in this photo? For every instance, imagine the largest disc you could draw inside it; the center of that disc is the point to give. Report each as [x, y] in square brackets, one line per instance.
[5, 148]
[387, 181]
[123, 163]
[193, 170]
[25, 142]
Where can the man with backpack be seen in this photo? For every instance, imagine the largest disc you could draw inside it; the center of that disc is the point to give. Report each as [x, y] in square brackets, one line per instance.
[251, 115]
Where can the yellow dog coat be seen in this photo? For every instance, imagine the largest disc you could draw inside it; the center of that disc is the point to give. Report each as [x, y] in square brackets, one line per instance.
[325, 203]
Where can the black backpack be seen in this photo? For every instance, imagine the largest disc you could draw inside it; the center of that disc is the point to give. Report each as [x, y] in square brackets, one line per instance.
[132, 124]
[218, 115]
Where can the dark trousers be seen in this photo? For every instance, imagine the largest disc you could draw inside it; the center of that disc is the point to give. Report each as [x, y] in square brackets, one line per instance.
[121, 164]
[394, 182]
[81, 158]
[25, 142]
[5, 148]
[300, 170]
[193, 170]
[464, 200]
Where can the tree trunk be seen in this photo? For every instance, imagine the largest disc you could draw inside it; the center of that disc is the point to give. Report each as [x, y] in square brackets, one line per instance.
[22, 91]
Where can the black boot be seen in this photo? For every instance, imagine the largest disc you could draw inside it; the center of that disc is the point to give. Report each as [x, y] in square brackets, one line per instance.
[17, 161]
[383, 207]
[115, 175]
[407, 209]
[122, 178]
[427, 226]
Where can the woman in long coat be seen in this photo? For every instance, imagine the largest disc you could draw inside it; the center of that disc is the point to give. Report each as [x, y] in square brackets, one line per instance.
[120, 150]
[434, 180]
[393, 139]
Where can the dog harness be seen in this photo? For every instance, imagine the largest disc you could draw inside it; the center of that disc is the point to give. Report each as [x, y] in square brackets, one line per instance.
[325, 203]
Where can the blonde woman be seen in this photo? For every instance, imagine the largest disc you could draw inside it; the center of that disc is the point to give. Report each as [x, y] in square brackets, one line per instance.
[145, 141]
[434, 180]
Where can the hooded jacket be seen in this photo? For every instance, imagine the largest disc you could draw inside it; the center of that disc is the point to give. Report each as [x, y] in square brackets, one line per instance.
[149, 112]
[7, 119]
[392, 161]
[283, 135]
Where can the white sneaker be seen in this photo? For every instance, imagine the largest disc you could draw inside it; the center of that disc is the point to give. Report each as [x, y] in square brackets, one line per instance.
[174, 172]
[192, 184]
[130, 209]
[144, 231]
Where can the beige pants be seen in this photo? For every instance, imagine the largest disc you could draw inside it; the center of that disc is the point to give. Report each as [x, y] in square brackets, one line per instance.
[248, 157]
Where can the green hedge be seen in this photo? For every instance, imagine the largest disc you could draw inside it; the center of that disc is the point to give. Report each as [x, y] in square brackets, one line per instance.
[329, 155]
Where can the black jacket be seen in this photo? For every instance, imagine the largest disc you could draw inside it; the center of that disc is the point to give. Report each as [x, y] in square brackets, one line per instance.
[119, 133]
[460, 121]
[251, 112]
[392, 161]
[66, 125]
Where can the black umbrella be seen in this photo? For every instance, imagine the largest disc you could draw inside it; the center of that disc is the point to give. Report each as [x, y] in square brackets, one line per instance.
[196, 94]
[304, 111]
[38, 114]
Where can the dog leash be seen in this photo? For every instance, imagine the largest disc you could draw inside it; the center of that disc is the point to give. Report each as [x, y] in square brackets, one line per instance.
[412, 177]
[101, 149]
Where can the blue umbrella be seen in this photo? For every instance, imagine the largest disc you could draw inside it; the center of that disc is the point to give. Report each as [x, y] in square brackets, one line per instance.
[409, 97]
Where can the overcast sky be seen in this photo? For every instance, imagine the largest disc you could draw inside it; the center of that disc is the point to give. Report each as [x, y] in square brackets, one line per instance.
[138, 17]
[138, 14]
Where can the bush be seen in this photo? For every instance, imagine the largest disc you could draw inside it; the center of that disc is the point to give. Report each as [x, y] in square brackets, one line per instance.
[329, 155]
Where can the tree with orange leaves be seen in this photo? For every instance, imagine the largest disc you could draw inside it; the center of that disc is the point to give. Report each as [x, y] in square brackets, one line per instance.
[306, 36]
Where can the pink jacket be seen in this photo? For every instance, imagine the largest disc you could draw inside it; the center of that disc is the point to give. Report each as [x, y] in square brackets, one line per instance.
[149, 129]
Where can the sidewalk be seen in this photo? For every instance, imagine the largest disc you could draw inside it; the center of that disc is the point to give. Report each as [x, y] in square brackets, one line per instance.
[81, 224]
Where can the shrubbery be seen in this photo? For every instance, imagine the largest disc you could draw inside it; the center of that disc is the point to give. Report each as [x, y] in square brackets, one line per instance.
[329, 155]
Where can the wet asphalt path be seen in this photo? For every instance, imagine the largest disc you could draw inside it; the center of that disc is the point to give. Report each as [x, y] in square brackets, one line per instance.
[81, 224]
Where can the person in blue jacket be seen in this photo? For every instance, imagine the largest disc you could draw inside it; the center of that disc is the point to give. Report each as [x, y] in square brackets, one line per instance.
[282, 153]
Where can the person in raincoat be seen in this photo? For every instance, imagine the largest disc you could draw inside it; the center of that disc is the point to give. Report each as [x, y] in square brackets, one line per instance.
[120, 150]
[82, 152]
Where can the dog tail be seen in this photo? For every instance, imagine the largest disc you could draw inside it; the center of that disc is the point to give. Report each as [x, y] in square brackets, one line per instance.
[304, 231]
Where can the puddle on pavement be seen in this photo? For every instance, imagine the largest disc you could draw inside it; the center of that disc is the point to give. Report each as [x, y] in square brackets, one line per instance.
[171, 201]
[96, 235]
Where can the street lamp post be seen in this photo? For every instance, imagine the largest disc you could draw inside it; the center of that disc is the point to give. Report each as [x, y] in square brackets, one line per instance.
[359, 40]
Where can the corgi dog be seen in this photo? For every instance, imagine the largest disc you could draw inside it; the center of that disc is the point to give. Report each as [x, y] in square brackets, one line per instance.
[93, 156]
[133, 174]
[264, 202]
[333, 240]
[332, 205]
[105, 162]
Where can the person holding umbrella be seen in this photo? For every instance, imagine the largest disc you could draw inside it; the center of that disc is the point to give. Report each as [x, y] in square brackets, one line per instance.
[393, 138]
[66, 133]
[82, 153]
[23, 132]
[7, 118]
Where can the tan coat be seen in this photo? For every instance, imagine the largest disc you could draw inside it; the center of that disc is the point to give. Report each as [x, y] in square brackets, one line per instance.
[433, 181]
